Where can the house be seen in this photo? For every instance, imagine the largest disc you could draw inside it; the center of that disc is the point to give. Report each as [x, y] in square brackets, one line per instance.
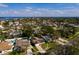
[10, 23]
[15, 32]
[36, 40]
[22, 44]
[11, 41]
[2, 22]
[37, 29]
[46, 38]
[5, 47]
[1, 27]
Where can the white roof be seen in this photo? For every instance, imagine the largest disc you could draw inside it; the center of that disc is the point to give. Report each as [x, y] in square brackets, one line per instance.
[1, 27]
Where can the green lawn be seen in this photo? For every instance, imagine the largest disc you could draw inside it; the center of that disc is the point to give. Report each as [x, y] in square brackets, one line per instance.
[2, 37]
[49, 45]
[73, 36]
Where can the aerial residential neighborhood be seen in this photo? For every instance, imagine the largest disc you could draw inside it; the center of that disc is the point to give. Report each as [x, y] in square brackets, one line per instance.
[46, 36]
[39, 29]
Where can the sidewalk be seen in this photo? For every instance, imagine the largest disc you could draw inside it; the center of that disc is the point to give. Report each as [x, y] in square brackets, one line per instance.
[41, 50]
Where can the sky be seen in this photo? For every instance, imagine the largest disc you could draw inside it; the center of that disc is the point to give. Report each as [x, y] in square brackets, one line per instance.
[39, 10]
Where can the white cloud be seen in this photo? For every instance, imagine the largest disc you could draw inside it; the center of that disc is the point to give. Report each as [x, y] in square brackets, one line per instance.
[40, 12]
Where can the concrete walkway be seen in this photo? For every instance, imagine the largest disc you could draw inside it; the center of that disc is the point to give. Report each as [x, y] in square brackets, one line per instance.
[62, 41]
[29, 51]
[41, 50]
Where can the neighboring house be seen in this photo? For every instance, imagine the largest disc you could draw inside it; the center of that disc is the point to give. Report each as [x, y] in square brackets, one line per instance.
[36, 40]
[22, 43]
[37, 29]
[46, 38]
[11, 41]
[5, 47]
[15, 32]
[1, 27]
[10, 23]
[17, 23]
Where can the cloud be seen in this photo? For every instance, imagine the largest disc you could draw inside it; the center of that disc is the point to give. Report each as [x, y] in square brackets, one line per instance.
[3, 5]
[40, 12]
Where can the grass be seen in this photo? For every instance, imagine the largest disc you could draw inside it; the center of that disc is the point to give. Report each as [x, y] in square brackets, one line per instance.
[73, 36]
[49, 45]
[75, 50]
[35, 50]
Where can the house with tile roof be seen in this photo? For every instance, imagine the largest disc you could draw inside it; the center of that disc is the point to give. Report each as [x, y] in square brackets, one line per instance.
[5, 47]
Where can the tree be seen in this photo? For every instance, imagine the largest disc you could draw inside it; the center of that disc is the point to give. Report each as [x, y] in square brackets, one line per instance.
[2, 37]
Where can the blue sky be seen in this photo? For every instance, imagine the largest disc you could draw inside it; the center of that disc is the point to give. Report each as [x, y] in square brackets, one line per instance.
[39, 9]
